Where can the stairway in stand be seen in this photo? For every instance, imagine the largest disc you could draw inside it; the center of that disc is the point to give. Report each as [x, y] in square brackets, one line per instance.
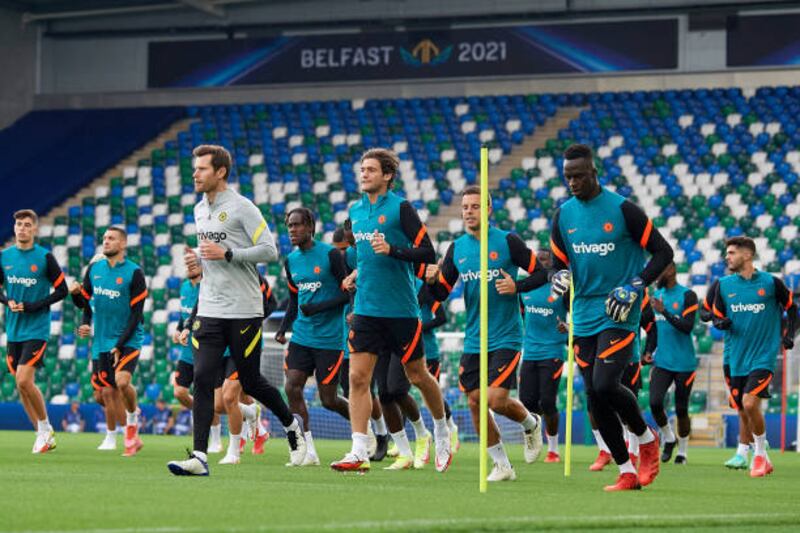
[528, 147]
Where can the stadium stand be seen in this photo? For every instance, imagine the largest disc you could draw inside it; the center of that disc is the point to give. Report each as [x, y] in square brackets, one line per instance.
[703, 163]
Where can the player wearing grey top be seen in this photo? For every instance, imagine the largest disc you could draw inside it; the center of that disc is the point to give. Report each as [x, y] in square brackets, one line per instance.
[233, 237]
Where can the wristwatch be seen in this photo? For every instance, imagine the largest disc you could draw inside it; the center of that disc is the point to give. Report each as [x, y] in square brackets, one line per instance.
[228, 255]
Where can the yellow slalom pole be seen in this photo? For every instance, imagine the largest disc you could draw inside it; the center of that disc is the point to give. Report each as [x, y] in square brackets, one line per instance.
[484, 312]
[570, 376]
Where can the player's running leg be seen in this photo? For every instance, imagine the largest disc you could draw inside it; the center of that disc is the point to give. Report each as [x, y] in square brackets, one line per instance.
[299, 366]
[502, 469]
[245, 347]
[549, 378]
[328, 364]
[503, 379]
[585, 350]
[740, 459]
[362, 365]
[256, 431]
[209, 345]
[123, 370]
[398, 390]
[113, 407]
[231, 390]
[393, 384]
[419, 376]
[422, 437]
[683, 390]
[434, 368]
[614, 403]
[754, 391]
[32, 353]
[381, 431]
[660, 381]
[215, 433]
[631, 380]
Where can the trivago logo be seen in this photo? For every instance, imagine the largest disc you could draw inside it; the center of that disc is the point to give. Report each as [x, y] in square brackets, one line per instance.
[471, 275]
[364, 236]
[312, 286]
[601, 248]
[215, 236]
[544, 311]
[748, 308]
[108, 293]
[18, 280]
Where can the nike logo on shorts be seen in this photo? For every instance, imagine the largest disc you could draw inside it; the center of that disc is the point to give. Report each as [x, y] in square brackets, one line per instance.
[243, 331]
[613, 342]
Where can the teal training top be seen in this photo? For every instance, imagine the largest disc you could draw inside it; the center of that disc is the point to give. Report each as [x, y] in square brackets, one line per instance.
[507, 252]
[675, 350]
[386, 282]
[189, 295]
[603, 241]
[116, 297]
[316, 296]
[754, 307]
[26, 277]
[542, 311]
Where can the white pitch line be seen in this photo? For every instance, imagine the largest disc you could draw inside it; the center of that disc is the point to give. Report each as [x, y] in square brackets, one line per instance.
[540, 522]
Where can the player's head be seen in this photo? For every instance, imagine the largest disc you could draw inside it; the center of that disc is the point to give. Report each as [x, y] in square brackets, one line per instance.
[471, 207]
[26, 226]
[668, 277]
[378, 169]
[545, 258]
[300, 223]
[212, 166]
[739, 253]
[75, 405]
[115, 240]
[580, 172]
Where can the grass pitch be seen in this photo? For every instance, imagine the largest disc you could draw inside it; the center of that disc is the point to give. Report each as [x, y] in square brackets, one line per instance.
[77, 488]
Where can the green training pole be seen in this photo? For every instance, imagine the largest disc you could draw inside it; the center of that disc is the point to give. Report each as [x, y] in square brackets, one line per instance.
[570, 375]
[484, 312]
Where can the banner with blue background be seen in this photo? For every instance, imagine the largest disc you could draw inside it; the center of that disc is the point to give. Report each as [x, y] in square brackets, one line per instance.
[594, 47]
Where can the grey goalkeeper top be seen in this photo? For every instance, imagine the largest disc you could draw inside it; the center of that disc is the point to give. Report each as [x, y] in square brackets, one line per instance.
[232, 289]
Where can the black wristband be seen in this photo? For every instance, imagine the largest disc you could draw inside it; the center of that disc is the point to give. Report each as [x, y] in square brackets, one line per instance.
[228, 255]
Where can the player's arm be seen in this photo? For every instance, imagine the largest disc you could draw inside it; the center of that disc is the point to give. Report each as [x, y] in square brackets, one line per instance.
[351, 256]
[685, 321]
[263, 249]
[448, 276]
[786, 300]
[525, 258]
[291, 311]
[439, 316]
[647, 322]
[56, 277]
[718, 314]
[81, 299]
[138, 292]
[557, 245]
[642, 230]
[705, 311]
[268, 298]
[192, 317]
[339, 271]
[3, 297]
[422, 250]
